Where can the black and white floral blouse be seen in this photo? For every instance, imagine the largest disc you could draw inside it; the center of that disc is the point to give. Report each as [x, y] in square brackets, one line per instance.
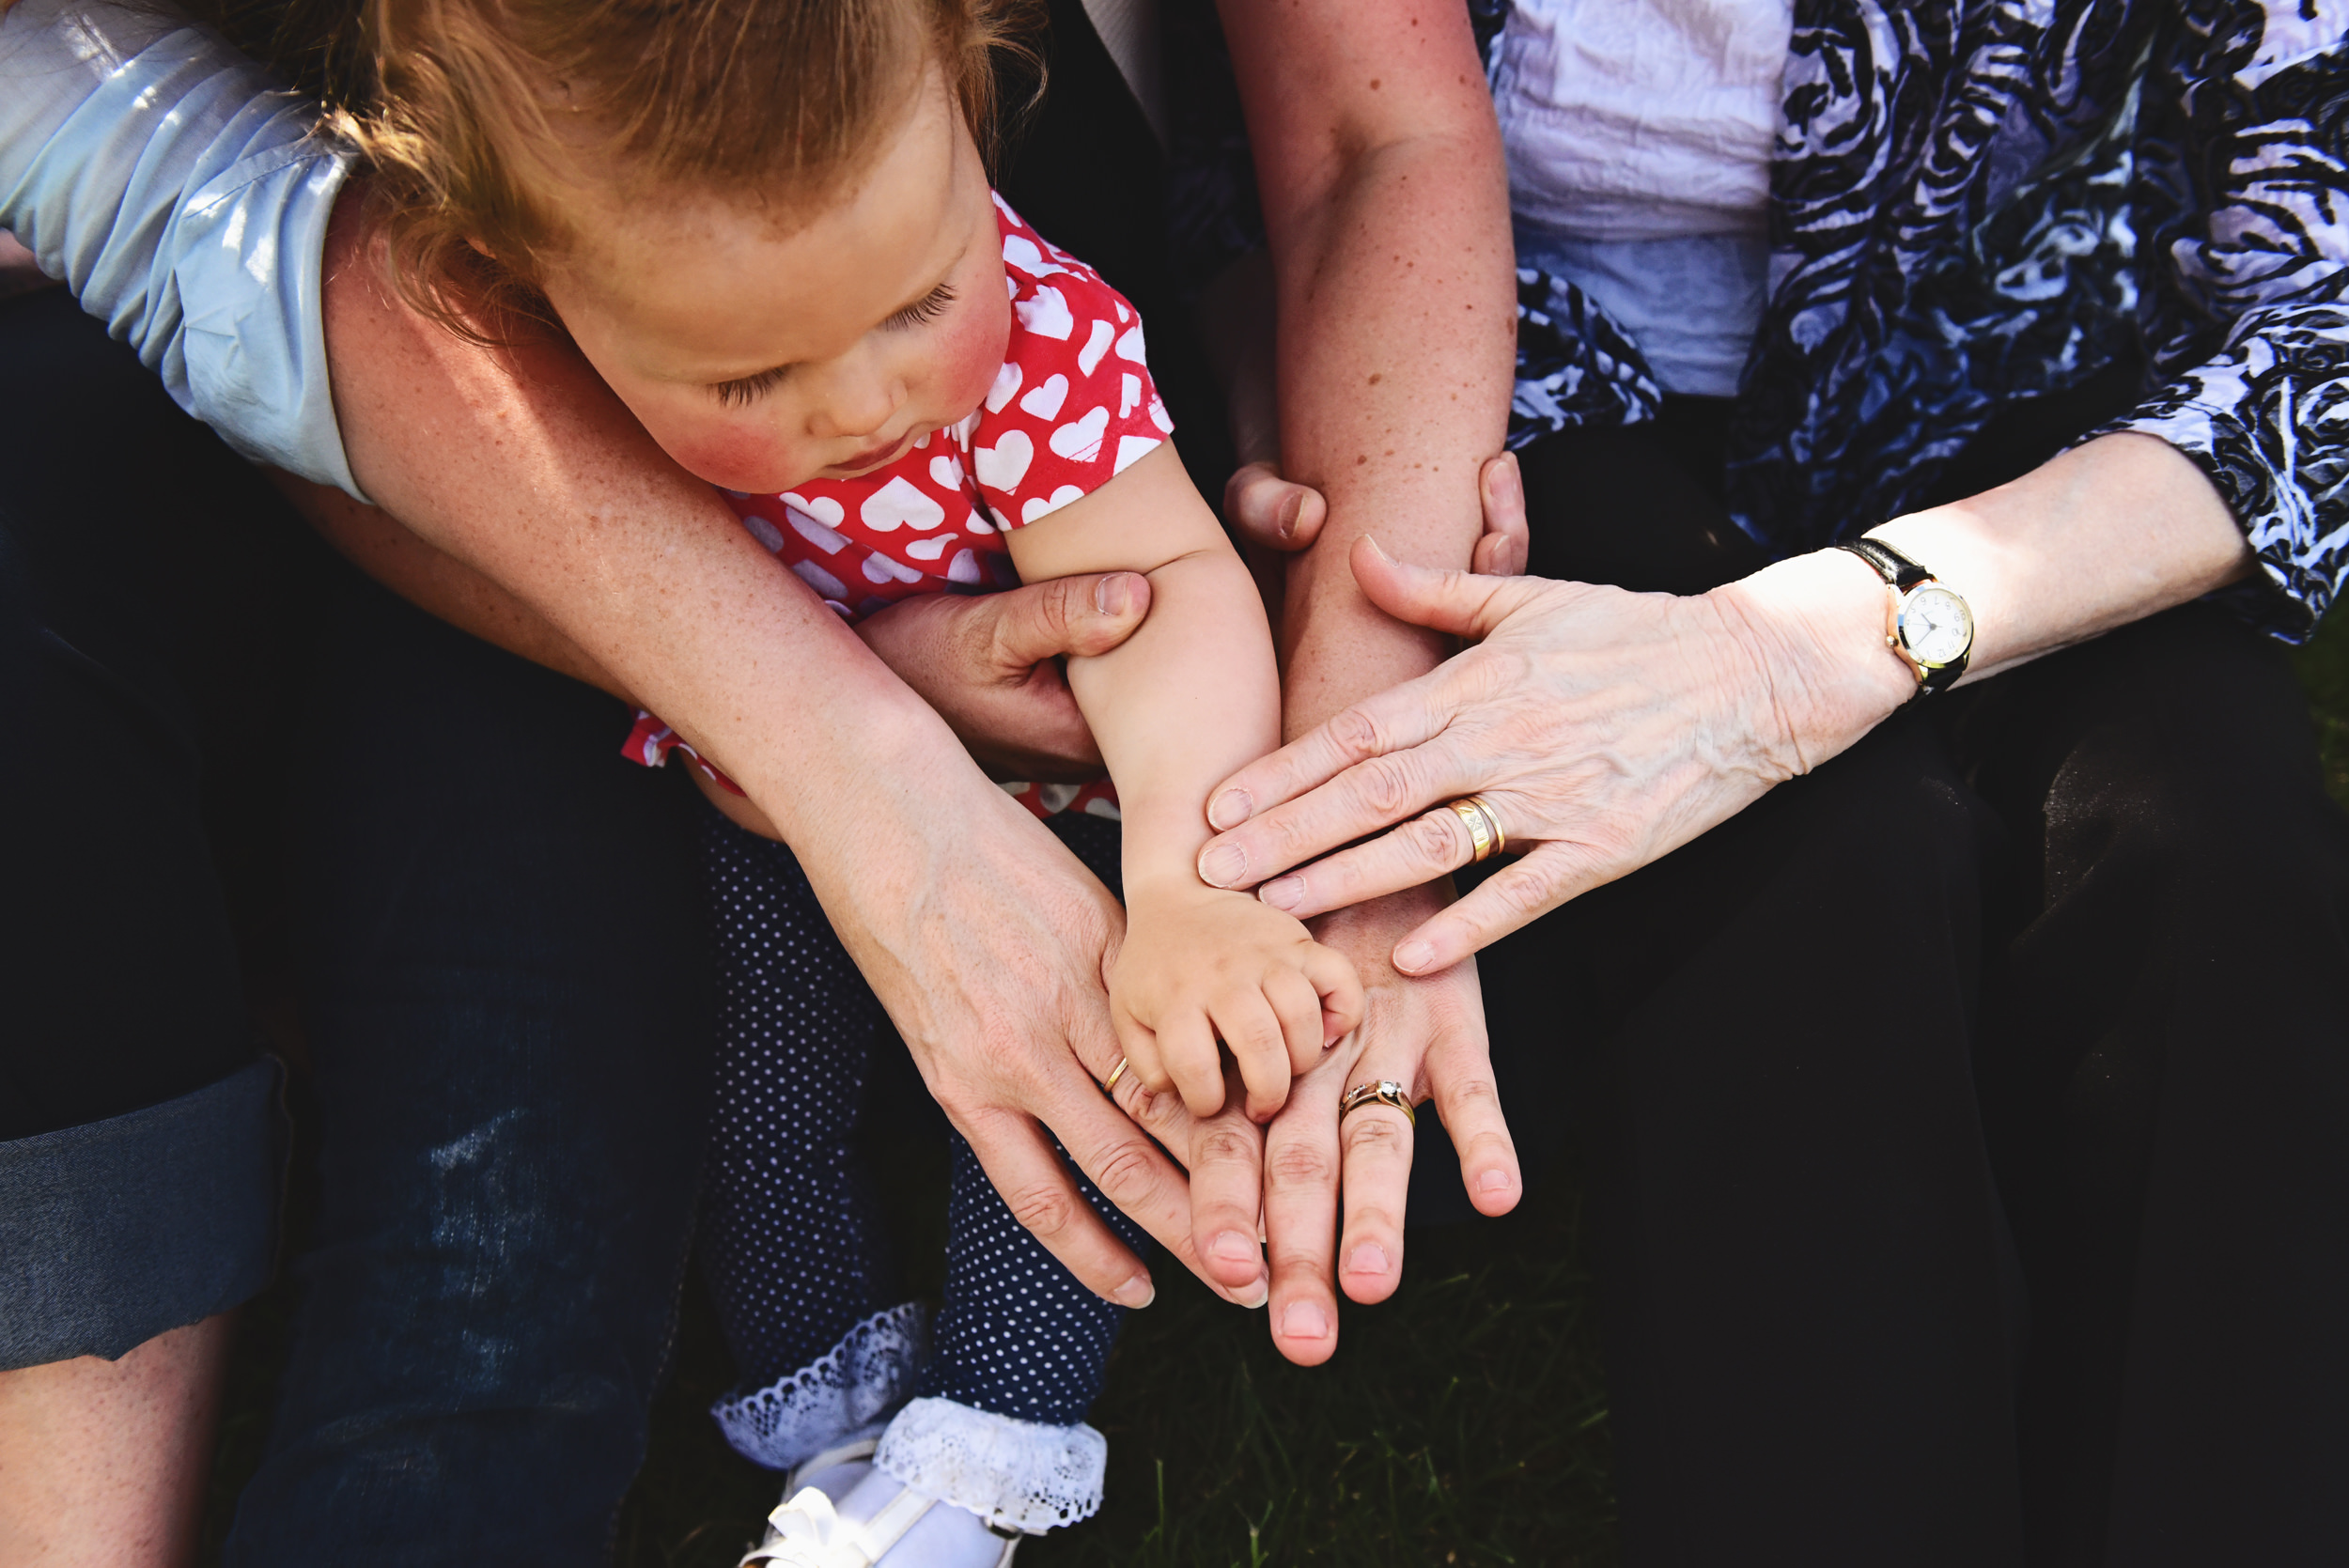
[1975, 201]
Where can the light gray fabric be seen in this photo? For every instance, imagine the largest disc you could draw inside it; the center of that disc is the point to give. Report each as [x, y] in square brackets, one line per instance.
[184, 200]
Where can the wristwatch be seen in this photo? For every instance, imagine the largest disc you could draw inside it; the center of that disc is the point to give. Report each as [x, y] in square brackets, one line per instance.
[1932, 626]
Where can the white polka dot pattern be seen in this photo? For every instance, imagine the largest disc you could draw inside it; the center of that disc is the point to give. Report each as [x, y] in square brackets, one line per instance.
[789, 1234]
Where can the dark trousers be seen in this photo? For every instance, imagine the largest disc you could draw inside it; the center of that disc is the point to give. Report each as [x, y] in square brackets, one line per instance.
[495, 931]
[1968, 1124]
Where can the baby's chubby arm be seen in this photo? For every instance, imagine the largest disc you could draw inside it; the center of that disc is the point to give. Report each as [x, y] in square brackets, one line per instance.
[1188, 698]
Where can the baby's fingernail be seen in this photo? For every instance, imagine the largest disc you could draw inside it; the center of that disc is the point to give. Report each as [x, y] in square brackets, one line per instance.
[1289, 512]
[1253, 1297]
[1304, 1321]
[1231, 1247]
[1411, 958]
[1369, 1258]
[1493, 1180]
[1137, 1292]
[1224, 865]
[1284, 893]
[1229, 809]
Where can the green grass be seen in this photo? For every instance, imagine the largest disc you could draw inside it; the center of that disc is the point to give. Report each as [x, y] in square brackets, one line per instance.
[1465, 1421]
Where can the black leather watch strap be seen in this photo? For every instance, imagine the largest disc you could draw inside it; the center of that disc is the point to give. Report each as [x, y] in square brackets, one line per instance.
[1901, 574]
[1897, 570]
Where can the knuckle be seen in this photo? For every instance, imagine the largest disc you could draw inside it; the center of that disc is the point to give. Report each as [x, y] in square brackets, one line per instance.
[1385, 785]
[1046, 1211]
[1294, 1165]
[1221, 1146]
[1126, 1176]
[1356, 733]
[1436, 838]
[1368, 1133]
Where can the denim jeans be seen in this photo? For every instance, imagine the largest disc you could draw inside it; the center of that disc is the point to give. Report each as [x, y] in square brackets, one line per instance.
[506, 1008]
[507, 990]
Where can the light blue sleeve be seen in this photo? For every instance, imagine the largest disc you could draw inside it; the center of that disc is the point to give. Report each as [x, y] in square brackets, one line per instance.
[184, 199]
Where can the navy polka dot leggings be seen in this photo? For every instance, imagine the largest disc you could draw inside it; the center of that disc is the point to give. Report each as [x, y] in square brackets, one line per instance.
[789, 1234]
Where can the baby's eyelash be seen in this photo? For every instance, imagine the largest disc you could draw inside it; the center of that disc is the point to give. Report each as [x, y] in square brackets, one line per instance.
[750, 389]
[929, 307]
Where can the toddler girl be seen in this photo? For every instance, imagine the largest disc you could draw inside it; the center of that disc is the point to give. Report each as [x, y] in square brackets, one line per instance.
[769, 227]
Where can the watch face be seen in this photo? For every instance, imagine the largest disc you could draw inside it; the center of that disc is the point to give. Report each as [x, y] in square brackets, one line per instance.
[1935, 627]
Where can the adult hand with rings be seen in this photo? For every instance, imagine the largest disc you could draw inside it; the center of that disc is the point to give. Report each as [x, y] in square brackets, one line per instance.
[1591, 729]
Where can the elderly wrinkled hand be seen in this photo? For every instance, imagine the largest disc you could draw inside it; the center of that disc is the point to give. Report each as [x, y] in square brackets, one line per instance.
[1602, 729]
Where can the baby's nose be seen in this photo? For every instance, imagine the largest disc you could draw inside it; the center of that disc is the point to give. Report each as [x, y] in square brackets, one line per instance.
[861, 406]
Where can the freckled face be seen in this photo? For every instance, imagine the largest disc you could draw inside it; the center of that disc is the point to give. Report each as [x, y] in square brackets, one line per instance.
[759, 358]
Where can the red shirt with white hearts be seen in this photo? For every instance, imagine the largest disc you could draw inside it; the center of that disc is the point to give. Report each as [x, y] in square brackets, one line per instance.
[1072, 406]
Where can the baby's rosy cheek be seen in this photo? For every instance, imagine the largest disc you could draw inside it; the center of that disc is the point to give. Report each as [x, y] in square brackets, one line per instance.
[734, 457]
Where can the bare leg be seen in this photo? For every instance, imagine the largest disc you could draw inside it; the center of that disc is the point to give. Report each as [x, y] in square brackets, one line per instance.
[105, 1462]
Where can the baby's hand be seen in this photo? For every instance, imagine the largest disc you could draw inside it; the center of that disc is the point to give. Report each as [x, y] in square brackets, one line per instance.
[1200, 964]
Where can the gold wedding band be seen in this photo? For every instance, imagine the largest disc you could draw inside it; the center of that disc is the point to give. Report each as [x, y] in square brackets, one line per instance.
[1483, 823]
[1385, 1092]
[1109, 1085]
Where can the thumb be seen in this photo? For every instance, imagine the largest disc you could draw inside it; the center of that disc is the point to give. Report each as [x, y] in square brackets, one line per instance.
[1459, 602]
[1271, 510]
[1083, 615]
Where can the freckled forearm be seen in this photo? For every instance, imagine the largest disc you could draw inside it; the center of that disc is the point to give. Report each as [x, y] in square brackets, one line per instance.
[1397, 344]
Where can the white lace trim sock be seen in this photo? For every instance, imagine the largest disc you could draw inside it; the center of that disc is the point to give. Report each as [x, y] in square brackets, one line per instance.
[1014, 1474]
[851, 1386]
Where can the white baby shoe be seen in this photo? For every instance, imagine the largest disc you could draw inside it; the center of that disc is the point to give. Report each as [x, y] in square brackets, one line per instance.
[876, 1520]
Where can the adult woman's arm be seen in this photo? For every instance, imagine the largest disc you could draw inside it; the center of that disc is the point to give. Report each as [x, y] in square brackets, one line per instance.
[988, 664]
[1609, 728]
[1636, 724]
[1386, 204]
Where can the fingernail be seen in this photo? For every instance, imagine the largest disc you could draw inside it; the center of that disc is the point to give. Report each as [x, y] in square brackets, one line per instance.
[1369, 1258]
[1231, 1247]
[1493, 1180]
[1114, 594]
[1222, 866]
[1304, 1321]
[1284, 893]
[1290, 510]
[1137, 1292]
[1229, 809]
[1411, 958]
[1253, 1297]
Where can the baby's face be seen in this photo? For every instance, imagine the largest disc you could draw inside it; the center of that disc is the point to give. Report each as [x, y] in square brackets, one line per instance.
[761, 355]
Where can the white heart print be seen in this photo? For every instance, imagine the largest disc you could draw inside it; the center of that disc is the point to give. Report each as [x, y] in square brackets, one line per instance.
[828, 540]
[1129, 345]
[1006, 383]
[764, 531]
[946, 472]
[1046, 313]
[1042, 507]
[824, 509]
[896, 503]
[929, 549]
[821, 581]
[1080, 439]
[1131, 448]
[1096, 345]
[1045, 401]
[1001, 466]
[880, 568]
[1021, 252]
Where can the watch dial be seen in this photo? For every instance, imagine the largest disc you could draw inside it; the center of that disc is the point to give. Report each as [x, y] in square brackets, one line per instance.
[1936, 626]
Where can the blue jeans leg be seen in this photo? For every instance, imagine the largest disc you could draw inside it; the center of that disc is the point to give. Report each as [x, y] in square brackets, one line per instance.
[507, 999]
